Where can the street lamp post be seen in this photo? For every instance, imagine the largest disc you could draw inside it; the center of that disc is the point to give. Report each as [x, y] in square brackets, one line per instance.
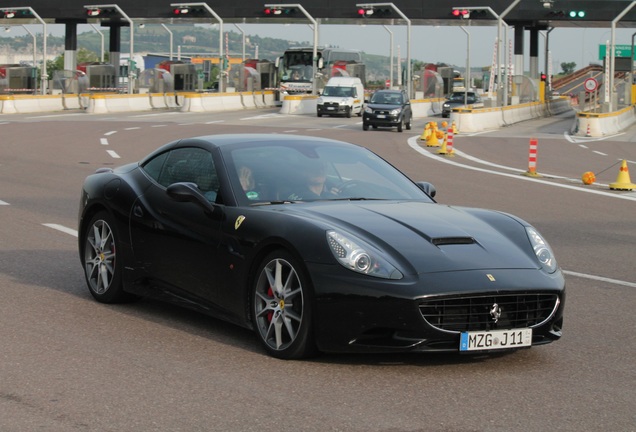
[390, 55]
[467, 78]
[171, 37]
[131, 24]
[409, 84]
[218, 18]
[102, 36]
[45, 76]
[243, 33]
[315, 29]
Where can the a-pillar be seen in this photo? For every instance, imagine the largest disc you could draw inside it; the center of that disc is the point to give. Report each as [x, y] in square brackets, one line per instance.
[70, 46]
[519, 29]
[534, 53]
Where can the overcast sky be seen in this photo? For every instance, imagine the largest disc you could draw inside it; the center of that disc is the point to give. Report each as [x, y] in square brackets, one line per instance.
[428, 44]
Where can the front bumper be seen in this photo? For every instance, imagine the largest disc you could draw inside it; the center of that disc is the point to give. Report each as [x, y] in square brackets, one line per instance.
[364, 314]
[329, 109]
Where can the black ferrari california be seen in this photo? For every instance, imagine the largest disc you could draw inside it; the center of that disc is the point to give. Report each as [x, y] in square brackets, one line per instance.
[317, 245]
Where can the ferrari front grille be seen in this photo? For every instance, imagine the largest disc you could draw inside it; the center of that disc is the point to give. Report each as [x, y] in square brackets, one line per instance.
[489, 312]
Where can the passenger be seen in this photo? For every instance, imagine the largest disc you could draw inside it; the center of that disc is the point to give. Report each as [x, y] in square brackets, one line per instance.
[295, 76]
[246, 178]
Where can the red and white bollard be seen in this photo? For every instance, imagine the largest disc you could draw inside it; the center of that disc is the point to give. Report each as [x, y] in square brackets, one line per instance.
[532, 158]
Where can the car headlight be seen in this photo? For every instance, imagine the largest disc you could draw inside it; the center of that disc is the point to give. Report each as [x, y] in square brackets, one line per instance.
[542, 250]
[446, 105]
[368, 110]
[360, 257]
[319, 101]
[396, 111]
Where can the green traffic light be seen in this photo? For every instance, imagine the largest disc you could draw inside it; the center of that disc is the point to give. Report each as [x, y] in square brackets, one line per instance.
[577, 14]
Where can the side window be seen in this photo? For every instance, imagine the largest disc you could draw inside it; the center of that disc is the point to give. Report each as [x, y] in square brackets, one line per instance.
[190, 164]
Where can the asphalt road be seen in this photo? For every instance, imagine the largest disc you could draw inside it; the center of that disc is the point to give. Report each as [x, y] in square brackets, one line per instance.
[68, 363]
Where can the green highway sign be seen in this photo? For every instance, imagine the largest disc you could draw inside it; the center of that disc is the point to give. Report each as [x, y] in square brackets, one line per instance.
[619, 51]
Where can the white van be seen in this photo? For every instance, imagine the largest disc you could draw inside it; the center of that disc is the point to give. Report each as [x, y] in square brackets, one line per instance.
[341, 96]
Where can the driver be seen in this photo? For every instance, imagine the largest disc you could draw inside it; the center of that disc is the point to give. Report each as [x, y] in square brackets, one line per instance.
[315, 185]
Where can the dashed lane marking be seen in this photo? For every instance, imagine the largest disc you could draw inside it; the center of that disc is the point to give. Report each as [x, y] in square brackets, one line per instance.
[113, 154]
[62, 228]
[3, 202]
[103, 141]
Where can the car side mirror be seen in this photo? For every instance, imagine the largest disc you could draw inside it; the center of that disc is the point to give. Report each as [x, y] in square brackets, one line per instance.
[428, 188]
[189, 192]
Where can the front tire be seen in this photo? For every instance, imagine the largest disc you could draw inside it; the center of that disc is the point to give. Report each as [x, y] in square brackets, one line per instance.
[400, 126]
[281, 306]
[365, 126]
[102, 268]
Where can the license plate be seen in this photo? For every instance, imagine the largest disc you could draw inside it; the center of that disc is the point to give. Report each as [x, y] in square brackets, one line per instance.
[496, 339]
[381, 116]
[330, 108]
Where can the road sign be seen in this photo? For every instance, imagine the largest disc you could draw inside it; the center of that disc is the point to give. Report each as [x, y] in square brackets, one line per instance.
[619, 51]
[590, 84]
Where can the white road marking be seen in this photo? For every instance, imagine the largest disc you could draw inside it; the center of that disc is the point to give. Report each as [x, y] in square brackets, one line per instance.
[103, 141]
[262, 116]
[601, 279]
[599, 153]
[113, 154]
[215, 121]
[3, 202]
[132, 128]
[158, 125]
[413, 143]
[110, 133]
[56, 115]
[62, 229]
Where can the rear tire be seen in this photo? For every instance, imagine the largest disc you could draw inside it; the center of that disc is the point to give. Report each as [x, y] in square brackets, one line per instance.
[365, 126]
[282, 307]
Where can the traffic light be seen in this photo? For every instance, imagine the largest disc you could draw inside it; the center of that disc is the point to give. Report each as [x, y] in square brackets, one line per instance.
[9, 14]
[375, 11]
[180, 11]
[544, 77]
[93, 12]
[278, 11]
[577, 14]
[461, 13]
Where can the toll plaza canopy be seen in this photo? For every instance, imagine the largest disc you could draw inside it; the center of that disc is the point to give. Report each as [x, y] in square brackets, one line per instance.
[529, 13]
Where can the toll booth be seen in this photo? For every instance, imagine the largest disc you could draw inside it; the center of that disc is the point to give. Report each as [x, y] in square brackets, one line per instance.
[256, 75]
[156, 81]
[350, 69]
[99, 77]
[184, 75]
[15, 78]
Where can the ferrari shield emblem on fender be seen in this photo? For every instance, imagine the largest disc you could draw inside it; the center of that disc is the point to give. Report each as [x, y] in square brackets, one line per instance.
[238, 222]
[490, 277]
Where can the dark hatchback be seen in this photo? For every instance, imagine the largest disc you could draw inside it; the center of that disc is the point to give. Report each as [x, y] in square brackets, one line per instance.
[459, 99]
[387, 108]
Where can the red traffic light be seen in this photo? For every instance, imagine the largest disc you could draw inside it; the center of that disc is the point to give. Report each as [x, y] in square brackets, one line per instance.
[9, 14]
[93, 12]
[267, 11]
[461, 13]
[544, 77]
[181, 11]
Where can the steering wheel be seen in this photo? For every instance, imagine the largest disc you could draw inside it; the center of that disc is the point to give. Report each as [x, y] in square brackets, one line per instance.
[349, 184]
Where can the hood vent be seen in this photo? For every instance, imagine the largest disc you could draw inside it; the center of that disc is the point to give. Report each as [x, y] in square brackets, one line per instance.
[442, 241]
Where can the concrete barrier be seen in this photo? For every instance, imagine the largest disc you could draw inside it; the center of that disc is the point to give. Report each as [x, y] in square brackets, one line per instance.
[18, 104]
[603, 124]
[471, 120]
[299, 104]
[100, 103]
[426, 107]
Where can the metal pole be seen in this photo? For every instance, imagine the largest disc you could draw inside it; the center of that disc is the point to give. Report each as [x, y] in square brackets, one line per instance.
[102, 36]
[500, 21]
[612, 54]
[409, 83]
[467, 77]
[243, 33]
[171, 37]
[218, 18]
[34, 44]
[390, 55]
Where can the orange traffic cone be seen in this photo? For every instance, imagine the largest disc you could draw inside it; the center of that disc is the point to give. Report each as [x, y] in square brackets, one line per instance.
[623, 182]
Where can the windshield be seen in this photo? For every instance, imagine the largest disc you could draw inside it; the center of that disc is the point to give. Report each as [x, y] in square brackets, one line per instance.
[459, 97]
[338, 91]
[386, 98]
[314, 171]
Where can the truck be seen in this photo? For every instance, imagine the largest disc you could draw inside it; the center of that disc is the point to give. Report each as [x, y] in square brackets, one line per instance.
[341, 96]
[295, 67]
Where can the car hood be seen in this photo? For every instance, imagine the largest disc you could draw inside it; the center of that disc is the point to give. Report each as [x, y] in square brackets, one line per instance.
[426, 237]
